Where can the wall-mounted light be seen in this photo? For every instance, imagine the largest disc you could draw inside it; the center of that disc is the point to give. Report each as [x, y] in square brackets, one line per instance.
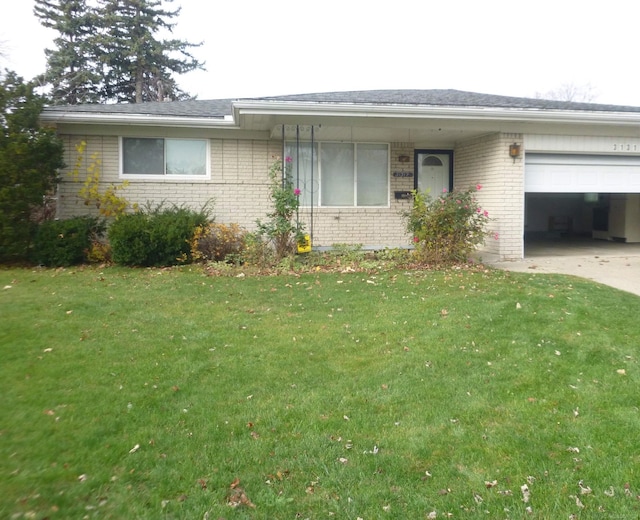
[514, 151]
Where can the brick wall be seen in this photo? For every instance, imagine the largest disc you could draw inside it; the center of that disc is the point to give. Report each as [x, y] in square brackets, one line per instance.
[239, 190]
[485, 160]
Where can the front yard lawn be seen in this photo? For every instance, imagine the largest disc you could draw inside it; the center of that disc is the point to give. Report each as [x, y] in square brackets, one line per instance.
[463, 393]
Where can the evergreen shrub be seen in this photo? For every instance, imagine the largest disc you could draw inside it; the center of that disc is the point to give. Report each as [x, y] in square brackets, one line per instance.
[160, 237]
[61, 243]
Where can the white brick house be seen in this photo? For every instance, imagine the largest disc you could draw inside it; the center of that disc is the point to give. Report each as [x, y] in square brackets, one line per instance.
[357, 154]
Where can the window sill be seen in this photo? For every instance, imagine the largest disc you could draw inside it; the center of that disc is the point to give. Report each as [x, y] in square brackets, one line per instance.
[173, 179]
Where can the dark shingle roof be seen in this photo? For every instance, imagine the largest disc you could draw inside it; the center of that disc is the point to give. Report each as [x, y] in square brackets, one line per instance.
[218, 108]
[456, 98]
[215, 108]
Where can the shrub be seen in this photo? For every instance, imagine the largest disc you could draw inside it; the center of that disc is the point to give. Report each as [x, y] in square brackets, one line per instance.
[160, 237]
[280, 228]
[447, 229]
[218, 242]
[107, 200]
[30, 157]
[66, 242]
[257, 252]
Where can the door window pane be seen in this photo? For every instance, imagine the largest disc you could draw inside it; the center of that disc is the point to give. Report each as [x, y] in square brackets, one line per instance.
[433, 173]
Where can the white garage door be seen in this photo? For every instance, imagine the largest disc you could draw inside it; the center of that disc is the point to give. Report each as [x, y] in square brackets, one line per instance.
[564, 173]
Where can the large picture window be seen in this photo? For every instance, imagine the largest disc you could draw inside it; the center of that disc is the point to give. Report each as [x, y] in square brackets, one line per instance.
[143, 156]
[344, 174]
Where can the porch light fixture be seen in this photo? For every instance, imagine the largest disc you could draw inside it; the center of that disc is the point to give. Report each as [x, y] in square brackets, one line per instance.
[514, 151]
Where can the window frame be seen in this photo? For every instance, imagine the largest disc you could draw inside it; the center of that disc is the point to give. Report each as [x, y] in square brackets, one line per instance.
[318, 202]
[164, 176]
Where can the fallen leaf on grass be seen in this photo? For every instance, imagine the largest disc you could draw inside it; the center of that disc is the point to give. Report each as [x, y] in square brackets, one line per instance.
[584, 490]
[526, 494]
[491, 484]
[237, 496]
[134, 449]
[621, 371]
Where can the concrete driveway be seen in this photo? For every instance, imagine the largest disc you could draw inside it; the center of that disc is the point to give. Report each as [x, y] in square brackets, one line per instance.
[610, 263]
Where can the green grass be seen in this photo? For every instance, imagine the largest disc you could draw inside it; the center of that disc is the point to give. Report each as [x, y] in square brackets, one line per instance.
[328, 395]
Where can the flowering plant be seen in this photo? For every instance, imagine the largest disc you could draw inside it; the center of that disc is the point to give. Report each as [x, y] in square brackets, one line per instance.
[449, 228]
[281, 228]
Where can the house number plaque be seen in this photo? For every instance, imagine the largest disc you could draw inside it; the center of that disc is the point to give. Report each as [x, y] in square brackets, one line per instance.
[403, 174]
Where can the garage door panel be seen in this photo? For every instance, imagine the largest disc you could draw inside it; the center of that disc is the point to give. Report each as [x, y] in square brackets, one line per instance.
[555, 173]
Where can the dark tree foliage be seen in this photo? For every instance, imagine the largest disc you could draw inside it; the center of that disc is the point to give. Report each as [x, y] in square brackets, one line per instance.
[111, 51]
[30, 157]
[73, 67]
[139, 65]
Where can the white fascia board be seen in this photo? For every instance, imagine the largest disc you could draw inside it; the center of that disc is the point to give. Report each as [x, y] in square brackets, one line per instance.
[137, 119]
[435, 112]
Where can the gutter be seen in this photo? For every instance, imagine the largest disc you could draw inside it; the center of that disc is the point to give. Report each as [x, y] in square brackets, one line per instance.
[136, 119]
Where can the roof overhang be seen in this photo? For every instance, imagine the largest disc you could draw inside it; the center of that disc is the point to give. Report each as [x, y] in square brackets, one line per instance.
[246, 108]
[100, 118]
[451, 122]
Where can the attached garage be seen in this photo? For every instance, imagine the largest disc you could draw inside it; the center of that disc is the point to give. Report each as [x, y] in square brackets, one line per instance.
[581, 195]
[566, 173]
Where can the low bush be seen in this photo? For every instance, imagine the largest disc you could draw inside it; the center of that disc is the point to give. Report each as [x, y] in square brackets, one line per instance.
[446, 230]
[60, 243]
[160, 237]
[215, 242]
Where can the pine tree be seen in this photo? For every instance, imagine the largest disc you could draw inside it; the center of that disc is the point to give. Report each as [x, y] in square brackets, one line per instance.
[110, 51]
[139, 65]
[73, 69]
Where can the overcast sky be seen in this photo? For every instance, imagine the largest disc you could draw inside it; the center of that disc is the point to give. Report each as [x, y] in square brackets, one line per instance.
[262, 48]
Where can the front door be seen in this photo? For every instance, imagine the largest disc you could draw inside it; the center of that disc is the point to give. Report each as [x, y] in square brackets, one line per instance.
[434, 171]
